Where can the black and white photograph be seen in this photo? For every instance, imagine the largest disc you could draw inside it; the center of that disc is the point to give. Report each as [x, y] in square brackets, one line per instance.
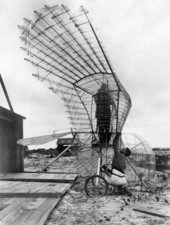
[85, 112]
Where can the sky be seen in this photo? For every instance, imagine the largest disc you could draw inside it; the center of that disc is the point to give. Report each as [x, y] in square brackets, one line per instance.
[136, 35]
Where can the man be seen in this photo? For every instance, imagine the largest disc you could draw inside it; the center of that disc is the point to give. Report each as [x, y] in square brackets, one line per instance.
[117, 175]
[103, 102]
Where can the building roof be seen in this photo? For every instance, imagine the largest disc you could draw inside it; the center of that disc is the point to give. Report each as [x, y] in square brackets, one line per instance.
[6, 114]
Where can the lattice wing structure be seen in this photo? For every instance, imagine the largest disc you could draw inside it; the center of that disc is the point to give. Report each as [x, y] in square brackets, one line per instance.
[71, 60]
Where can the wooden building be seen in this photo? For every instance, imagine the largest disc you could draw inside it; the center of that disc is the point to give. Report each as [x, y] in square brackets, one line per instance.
[11, 130]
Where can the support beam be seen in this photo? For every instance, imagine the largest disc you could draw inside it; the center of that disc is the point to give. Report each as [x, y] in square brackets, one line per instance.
[55, 159]
[6, 93]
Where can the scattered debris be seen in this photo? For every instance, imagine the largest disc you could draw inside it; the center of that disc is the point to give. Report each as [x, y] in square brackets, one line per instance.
[147, 211]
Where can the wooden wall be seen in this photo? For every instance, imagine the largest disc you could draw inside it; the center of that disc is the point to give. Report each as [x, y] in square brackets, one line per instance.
[11, 129]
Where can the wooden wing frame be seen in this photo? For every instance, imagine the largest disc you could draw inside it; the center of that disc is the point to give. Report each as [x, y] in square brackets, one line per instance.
[69, 57]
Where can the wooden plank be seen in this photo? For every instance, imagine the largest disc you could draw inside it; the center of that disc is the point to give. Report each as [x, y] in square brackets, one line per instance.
[39, 216]
[36, 203]
[42, 177]
[41, 187]
[36, 190]
[150, 212]
[35, 175]
[3, 206]
[58, 189]
[12, 188]
[22, 187]
[50, 206]
[50, 176]
[27, 214]
[21, 175]
[12, 185]
[52, 171]
[51, 188]
[5, 183]
[22, 217]
[31, 203]
[3, 201]
[9, 208]
[33, 187]
[32, 195]
[29, 190]
[9, 201]
[10, 212]
[42, 180]
[15, 212]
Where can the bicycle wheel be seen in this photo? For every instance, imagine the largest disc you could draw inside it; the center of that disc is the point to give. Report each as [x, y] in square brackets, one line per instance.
[96, 186]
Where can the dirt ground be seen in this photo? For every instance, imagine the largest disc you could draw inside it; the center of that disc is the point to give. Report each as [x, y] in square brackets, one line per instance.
[77, 208]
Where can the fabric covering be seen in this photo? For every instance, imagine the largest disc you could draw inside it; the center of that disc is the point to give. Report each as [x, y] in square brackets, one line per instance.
[116, 178]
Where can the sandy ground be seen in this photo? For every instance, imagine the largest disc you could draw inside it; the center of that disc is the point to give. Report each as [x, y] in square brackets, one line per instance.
[77, 208]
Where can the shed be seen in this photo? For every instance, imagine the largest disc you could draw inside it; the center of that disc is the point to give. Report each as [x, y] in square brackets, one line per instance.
[11, 129]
